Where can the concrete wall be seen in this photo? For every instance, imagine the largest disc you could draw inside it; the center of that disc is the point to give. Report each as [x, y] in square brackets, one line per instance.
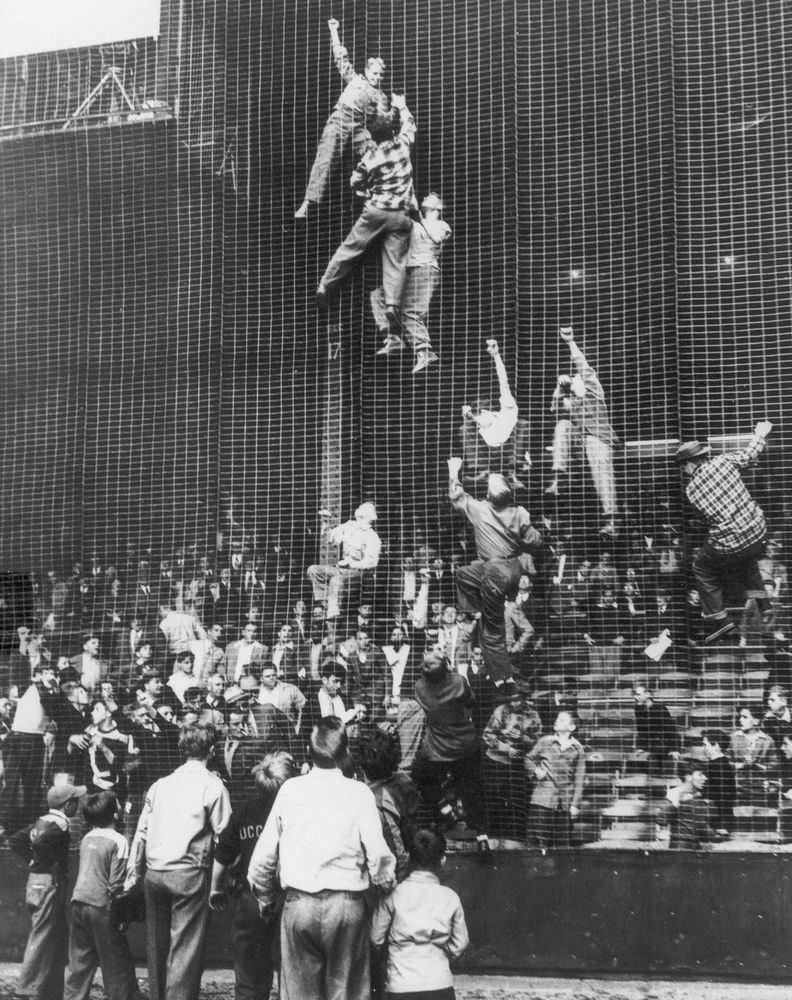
[582, 912]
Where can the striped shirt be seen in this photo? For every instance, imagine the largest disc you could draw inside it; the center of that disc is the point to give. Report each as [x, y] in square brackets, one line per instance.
[735, 521]
[385, 172]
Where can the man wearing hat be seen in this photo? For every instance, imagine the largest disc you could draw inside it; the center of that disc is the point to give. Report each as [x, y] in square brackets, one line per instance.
[46, 846]
[736, 526]
[359, 546]
[427, 236]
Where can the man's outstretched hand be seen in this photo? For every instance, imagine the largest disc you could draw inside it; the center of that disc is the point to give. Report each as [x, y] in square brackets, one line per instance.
[333, 24]
[566, 334]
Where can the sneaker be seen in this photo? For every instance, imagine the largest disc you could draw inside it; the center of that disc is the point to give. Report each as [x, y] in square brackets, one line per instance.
[391, 344]
[424, 358]
[720, 633]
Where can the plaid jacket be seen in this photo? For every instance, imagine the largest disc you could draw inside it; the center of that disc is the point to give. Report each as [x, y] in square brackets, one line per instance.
[716, 490]
[385, 172]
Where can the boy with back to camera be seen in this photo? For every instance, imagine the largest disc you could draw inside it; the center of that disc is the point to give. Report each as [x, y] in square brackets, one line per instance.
[423, 925]
[96, 938]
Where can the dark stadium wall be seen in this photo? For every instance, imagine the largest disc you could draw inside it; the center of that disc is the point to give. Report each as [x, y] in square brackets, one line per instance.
[649, 913]
[167, 360]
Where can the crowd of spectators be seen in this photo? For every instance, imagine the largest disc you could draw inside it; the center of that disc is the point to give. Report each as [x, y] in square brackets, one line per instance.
[111, 660]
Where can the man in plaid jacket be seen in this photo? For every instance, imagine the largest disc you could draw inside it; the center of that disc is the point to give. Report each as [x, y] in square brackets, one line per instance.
[736, 526]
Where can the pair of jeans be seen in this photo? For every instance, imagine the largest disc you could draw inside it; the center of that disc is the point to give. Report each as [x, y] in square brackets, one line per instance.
[47, 944]
[96, 941]
[177, 914]
[712, 567]
[599, 455]
[324, 946]
[391, 228]
[419, 287]
[484, 586]
[344, 128]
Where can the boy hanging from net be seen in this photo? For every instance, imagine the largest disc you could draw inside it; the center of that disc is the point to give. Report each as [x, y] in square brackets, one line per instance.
[495, 440]
[361, 101]
[427, 236]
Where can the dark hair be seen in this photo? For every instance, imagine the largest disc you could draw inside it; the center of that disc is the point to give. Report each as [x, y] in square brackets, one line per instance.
[196, 742]
[99, 809]
[427, 848]
[752, 707]
[378, 755]
[184, 654]
[715, 736]
[331, 668]
[328, 742]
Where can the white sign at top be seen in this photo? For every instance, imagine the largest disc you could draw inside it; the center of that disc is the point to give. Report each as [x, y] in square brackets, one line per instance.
[30, 26]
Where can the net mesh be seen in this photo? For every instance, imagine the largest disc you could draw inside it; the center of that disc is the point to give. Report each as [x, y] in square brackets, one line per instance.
[178, 412]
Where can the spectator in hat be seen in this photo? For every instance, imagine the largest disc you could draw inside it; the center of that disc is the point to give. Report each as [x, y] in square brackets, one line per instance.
[359, 551]
[427, 236]
[736, 526]
[46, 846]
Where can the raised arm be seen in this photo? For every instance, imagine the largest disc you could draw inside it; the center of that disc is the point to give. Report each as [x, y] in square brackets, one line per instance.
[456, 492]
[584, 369]
[340, 52]
[755, 446]
[507, 401]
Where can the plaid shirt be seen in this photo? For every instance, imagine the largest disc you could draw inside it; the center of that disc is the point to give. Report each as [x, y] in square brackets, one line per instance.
[385, 172]
[716, 490]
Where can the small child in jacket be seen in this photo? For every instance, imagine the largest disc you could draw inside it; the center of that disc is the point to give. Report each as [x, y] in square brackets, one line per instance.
[46, 845]
[96, 938]
[423, 925]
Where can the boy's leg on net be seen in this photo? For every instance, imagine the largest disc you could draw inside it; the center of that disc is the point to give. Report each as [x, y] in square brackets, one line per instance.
[419, 287]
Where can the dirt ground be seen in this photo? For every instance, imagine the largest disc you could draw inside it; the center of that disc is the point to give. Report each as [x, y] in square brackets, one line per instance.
[219, 984]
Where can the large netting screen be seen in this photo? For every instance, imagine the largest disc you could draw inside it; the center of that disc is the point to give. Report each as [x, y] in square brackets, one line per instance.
[195, 445]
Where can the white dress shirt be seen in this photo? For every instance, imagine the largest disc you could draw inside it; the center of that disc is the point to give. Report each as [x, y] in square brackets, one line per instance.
[324, 832]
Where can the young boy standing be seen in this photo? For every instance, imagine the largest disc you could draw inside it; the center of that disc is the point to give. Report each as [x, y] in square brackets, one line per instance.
[95, 938]
[46, 844]
[423, 924]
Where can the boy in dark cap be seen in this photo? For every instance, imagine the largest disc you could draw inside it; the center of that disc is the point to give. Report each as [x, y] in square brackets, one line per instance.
[46, 845]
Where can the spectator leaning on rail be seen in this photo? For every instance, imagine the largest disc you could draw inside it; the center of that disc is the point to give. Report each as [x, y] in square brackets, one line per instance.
[736, 527]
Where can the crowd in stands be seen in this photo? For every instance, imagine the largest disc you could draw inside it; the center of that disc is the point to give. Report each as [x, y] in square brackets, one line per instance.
[110, 662]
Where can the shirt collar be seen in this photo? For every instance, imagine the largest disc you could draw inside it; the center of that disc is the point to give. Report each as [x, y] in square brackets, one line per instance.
[422, 876]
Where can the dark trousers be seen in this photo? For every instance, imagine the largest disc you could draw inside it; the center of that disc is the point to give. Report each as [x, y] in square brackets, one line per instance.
[392, 230]
[22, 797]
[506, 797]
[465, 775]
[549, 827]
[177, 913]
[446, 994]
[252, 941]
[712, 568]
[324, 946]
[47, 944]
[484, 586]
[96, 941]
